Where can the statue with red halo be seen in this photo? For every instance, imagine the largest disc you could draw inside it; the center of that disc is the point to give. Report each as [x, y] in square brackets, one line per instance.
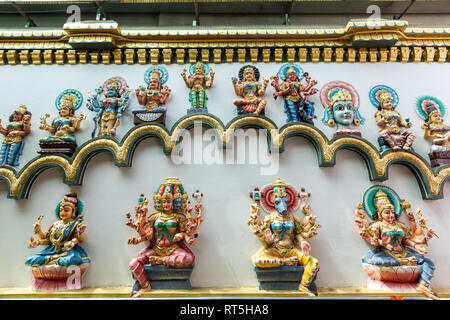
[285, 257]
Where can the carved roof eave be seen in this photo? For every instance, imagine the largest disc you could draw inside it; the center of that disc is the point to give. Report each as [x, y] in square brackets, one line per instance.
[97, 31]
[104, 42]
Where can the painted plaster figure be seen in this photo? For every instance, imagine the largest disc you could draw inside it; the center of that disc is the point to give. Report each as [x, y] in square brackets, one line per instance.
[198, 81]
[64, 126]
[16, 130]
[250, 90]
[153, 97]
[109, 109]
[167, 230]
[399, 251]
[393, 130]
[432, 111]
[50, 266]
[341, 102]
[284, 234]
[295, 93]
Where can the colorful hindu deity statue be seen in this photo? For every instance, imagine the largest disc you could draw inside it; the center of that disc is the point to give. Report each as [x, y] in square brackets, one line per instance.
[16, 130]
[167, 230]
[153, 97]
[251, 90]
[432, 111]
[63, 258]
[284, 234]
[64, 126]
[198, 81]
[341, 102]
[295, 93]
[393, 130]
[398, 261]
[109, 109]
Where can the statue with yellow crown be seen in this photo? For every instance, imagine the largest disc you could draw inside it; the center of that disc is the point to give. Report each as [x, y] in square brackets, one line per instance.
[250, 90]
[16, 130]
[284, 263]
[201, 77]
[433, 112]
[397, 262]
[166, 262]
[64, 126]
[61, 265]
[110, 107]
[153, 97]
[393, 130]
[295, 92]
[341, 103]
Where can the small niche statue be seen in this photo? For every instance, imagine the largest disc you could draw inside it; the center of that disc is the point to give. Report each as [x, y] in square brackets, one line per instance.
[153, 97]
[64, 126]
[16, 130]
[198, 81]
[109, 109]
[432, 111]
[341, 102]
[250, 90]
[295, 93]
[393, 131]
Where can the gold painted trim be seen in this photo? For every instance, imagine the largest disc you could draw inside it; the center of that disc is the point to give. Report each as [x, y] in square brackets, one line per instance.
[267, 44]
[183, 55]
[125, 292]
[121, 151]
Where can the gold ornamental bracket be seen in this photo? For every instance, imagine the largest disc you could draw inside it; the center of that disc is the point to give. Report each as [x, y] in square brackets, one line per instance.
[93, 35]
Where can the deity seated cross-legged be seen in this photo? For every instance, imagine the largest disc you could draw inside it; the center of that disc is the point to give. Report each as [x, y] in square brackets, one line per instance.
[394, 133]
[397, 262]
[250, 91]
[284, 263]
[432, 111]
[64, 126]
[167, 262]
[153, 97]
[62, 264]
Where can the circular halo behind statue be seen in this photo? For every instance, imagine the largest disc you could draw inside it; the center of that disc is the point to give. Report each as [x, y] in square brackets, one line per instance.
[267, 198]
[421, 106]
[377, 90]
[204, 66]
[369, 201]
[285, 67]
[164, 75]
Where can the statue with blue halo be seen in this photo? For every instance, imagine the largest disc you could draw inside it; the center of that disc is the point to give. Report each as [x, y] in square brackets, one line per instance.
[295, 93]
[64, 126]
[109, 109]
[341, 102]
[393, 130]
[397, 262]
[284, 263]
[432, 111]
[153, 97]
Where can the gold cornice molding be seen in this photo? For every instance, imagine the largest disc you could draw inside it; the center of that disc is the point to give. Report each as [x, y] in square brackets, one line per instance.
[358, 41]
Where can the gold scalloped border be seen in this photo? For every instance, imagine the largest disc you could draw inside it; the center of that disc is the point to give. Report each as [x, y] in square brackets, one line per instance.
[431, 181]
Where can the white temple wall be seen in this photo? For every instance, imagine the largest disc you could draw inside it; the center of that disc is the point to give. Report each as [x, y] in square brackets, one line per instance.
[225, 243]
